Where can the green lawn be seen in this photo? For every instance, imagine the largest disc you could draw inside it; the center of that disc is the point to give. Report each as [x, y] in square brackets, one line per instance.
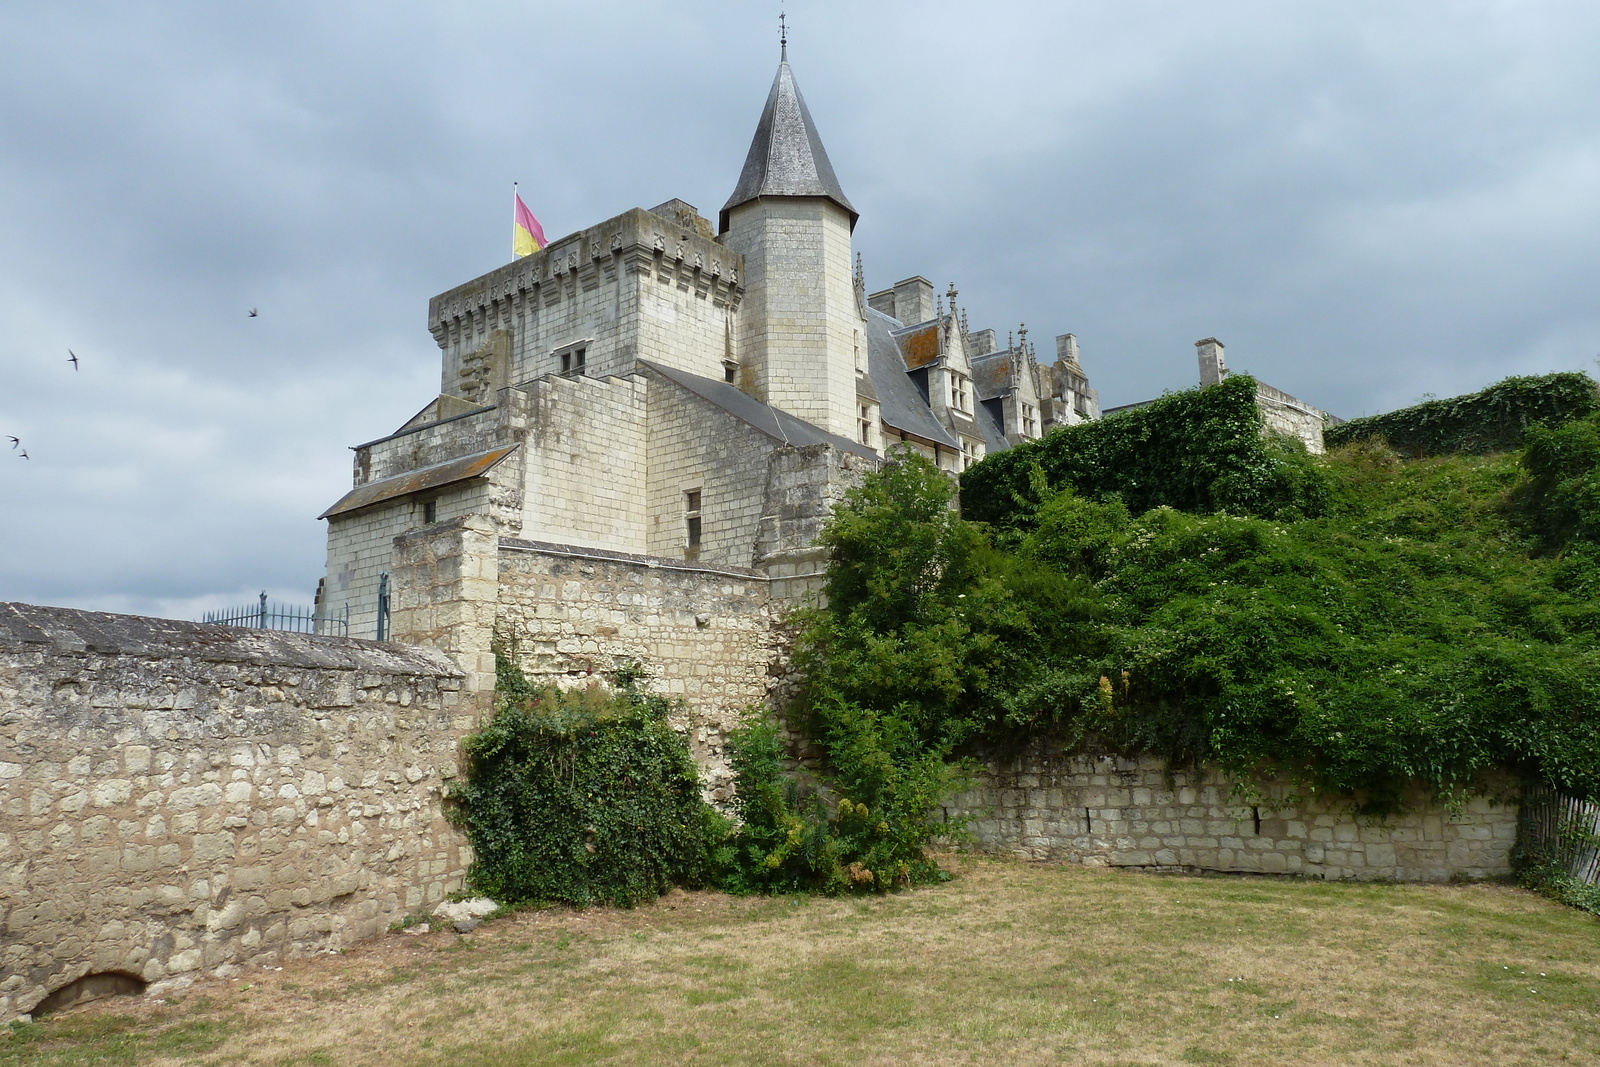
[1008, 964]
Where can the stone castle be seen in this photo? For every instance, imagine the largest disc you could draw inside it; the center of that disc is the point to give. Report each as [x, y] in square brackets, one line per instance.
[639, 433]
[653, 386]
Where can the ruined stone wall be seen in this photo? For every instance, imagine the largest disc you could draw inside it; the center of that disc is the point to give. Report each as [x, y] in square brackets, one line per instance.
[803, 486]
[1131, 813]
[704, 632]
[1285, 414]
[178, 798]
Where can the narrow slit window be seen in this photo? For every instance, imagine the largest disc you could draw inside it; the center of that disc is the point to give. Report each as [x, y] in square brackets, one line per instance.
[430, 512]
[691, 515]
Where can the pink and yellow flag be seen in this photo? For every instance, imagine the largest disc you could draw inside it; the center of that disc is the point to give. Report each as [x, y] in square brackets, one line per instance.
[527, 236]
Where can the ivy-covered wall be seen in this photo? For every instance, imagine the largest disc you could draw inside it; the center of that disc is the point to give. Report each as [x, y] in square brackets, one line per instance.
[1201, 451]
[1493, 420]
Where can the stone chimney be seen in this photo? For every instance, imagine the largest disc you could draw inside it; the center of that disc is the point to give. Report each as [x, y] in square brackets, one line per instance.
[1067, 349]
[913, 300]
[1212, 367]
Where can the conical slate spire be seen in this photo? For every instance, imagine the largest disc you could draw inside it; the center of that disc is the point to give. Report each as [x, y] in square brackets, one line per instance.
[786, 158]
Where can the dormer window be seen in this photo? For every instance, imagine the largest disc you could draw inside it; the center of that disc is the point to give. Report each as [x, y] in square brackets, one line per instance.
[958, 392]
[1030, 423]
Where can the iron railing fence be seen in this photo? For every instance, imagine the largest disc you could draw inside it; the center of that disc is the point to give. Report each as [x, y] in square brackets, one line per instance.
[1563, 832]
[292, 618]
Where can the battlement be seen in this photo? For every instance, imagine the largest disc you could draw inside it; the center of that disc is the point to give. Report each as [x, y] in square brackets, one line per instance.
[637, 236]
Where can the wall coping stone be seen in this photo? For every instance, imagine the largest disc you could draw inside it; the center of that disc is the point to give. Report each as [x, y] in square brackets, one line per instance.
[607, 555]
[31, 626]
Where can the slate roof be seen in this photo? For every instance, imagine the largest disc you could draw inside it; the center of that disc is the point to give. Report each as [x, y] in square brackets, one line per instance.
[778, 425]
[994, 437]
[786, 157]
[991, 375]
[433, 477]
[900, 402]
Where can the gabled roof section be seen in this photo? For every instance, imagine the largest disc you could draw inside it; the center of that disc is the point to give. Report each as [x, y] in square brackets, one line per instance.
[991, 375]
[900, 403]
[778, 425]
[437, 476]
[786, 158]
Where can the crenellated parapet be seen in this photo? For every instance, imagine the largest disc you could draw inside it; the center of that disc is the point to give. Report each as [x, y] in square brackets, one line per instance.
[636, 240]
[642, 285]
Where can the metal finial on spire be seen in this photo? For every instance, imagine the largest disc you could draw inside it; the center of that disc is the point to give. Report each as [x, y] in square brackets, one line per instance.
[783, 33]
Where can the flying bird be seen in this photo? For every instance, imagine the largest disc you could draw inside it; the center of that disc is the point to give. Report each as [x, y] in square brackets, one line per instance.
[252, 313]
[14, 442]
[25, 454]
[72, 358]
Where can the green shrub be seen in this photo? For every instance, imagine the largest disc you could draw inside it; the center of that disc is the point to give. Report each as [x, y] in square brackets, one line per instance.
[582, 797]
[1561, 496]
[1201, 451]
[864, 828]
[1402, 630]
[1493, 420]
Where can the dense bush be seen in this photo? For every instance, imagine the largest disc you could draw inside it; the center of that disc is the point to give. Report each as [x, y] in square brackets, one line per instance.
[1410, 631]
[863, 828]
[1494, 420]
[582, 797]
[1201, 451]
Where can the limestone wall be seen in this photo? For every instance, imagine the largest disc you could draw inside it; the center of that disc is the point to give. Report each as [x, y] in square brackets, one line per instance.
[1285, 414]
[697, 445]
[1130, 813]
[586, 458]
[640, 285]
[178, 798]
[704, 632]
[361, 548]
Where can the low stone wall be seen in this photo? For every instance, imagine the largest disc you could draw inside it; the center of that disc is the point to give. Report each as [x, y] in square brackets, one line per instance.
[1132, 813]
[178, 798]
[705, 632]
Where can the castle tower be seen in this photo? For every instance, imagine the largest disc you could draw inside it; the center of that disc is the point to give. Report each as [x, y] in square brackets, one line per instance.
[799, 327]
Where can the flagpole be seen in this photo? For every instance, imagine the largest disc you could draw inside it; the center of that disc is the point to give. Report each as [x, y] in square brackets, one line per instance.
[513, 220]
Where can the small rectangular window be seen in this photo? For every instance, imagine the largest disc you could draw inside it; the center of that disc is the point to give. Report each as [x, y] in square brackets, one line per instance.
[865, 423]
[573, 358]
[691, 510]
[430, 512]
[730, 371]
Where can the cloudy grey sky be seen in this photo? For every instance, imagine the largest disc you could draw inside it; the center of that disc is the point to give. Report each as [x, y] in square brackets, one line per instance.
[1368, 202]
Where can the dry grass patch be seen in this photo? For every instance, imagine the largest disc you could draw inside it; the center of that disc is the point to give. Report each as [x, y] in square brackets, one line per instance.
[1010, 963]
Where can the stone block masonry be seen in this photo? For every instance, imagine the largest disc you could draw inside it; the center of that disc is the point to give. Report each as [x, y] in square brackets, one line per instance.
[178, 798]
[705, 633]
[1113, 812]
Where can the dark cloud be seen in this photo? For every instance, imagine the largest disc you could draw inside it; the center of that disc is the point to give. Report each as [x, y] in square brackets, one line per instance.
[1366, 201]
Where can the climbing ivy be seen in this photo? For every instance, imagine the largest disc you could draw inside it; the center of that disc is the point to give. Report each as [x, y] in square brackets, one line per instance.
[582, 796]
[1497, 419]
[1201, 451]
